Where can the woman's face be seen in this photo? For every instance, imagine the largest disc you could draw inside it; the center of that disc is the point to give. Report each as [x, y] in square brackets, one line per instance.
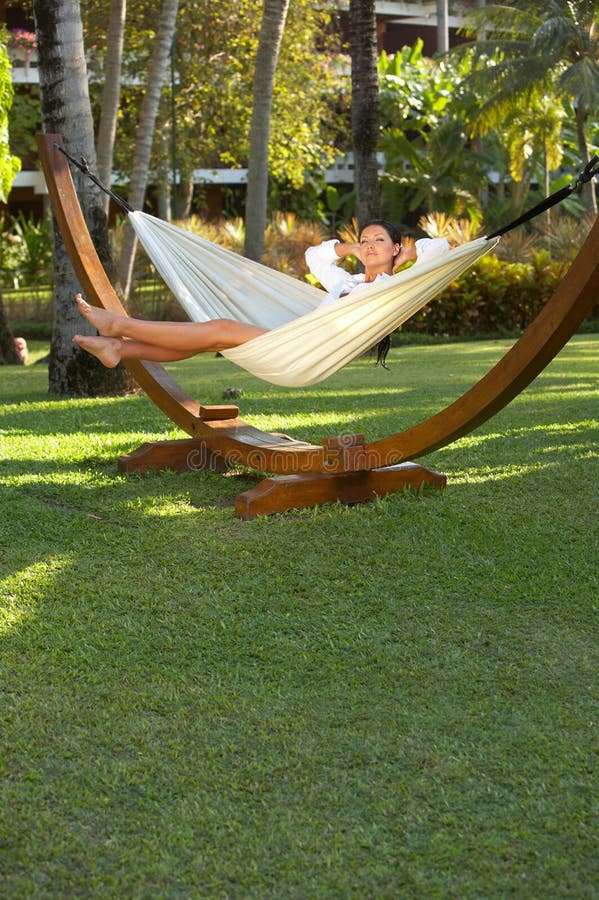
[376, 248]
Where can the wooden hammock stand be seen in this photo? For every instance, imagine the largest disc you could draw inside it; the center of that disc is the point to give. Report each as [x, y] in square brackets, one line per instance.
[343, 468]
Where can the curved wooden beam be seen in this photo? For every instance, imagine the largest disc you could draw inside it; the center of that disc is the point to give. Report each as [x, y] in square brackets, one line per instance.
[229, 436]
[575, 297]
[164, 391]
[234, 439]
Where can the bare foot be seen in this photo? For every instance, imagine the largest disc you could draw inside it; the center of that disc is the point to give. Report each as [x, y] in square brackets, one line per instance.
[106, 349]
[104, 321]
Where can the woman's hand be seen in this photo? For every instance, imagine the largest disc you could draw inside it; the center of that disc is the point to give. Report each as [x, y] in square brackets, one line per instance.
[406, 254]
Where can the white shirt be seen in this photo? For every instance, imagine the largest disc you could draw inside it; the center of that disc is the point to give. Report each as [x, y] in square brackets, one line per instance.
[322, 262]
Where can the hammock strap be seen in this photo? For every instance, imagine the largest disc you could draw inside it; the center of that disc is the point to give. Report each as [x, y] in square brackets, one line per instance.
[589, 171]
[85, 169]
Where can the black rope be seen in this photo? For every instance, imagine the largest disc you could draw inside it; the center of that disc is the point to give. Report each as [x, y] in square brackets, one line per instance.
[83, 167]
[589, 171]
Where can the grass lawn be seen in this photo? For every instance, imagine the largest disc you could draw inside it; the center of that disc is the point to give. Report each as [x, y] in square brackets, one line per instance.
[397, 699]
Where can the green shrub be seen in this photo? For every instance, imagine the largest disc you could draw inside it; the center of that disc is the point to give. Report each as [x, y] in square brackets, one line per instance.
[26, 254]
[32, 330]
[493, 297]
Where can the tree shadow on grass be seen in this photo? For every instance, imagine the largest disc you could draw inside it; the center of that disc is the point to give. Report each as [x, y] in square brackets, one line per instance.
[161, 660]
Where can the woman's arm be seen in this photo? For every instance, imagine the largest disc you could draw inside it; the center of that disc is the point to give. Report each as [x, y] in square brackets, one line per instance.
[322, 262]
[423, 250]
[407, 253]
[343, 249]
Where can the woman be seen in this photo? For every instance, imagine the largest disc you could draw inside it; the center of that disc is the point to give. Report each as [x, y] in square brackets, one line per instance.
[121, 338]
[379, 250]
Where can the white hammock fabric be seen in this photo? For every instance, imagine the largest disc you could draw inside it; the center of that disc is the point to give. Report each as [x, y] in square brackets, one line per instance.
[307, 342]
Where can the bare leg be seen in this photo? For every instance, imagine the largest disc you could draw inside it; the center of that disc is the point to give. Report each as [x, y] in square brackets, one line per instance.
[190, 337]
[112, 351]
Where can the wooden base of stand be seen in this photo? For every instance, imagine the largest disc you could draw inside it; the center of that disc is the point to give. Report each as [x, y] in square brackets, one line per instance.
[282, 492]
[184, 455]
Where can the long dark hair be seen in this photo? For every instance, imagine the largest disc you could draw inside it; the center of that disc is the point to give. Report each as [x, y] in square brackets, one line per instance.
[389, 227]
[384, 345]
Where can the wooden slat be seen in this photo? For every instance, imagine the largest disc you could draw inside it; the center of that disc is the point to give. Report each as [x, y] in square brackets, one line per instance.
[218, 413]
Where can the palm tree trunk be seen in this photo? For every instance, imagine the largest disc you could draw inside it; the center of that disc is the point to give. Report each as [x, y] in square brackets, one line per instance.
[269, 44]
[184, 196]
[8, 351]
[365, 107]
[111, 92]
[145, 132]
[66, 110]
[442, 26]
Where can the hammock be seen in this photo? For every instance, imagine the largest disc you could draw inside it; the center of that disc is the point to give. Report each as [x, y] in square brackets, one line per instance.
[306, 342]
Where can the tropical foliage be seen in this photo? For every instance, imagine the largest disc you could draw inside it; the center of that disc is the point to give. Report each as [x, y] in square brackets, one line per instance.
[26, 253]
[425, 137]
[9, 164]
[459, 140]
[472, 133]
[541, 52]
[209, 97]
[493, 298]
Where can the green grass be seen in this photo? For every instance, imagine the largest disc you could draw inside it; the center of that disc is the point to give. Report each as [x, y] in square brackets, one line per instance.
[392, 700]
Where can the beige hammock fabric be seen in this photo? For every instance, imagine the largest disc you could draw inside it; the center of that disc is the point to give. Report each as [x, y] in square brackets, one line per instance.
[307, 343]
